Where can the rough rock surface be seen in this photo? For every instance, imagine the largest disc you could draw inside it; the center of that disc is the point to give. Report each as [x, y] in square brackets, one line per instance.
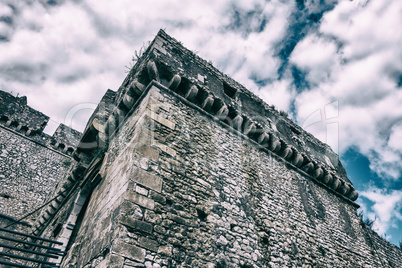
[187, 168]
[30, 164]
[180, 190]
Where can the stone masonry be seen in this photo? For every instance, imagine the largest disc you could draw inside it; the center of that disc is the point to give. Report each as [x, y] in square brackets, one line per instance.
[31, 163]
[184, 167]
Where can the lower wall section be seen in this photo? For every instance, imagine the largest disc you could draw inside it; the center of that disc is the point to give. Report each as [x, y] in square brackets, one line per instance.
[29, 172]
[389, 254]
[179, 190]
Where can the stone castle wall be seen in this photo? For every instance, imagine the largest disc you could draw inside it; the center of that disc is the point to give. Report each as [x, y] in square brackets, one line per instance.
[184, 167]
[180, 190]
[29, 172]
[32, 163]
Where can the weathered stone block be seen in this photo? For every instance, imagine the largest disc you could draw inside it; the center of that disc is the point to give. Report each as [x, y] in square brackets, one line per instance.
[148, 244]
[152, 217]
[162, 120]
[178, 219]
[136, 224]
[146, 179]
[157, 197]
[165, 250]
[165, 148]
[131, 264]
[148, 152]
[141, 190]
[131, 209]
[128, 251]
[140, 200]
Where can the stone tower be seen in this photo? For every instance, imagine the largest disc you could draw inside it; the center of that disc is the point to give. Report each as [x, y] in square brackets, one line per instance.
[184, 167]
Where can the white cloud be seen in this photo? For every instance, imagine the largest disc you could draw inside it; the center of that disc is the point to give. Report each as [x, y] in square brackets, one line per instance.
[243, 57]
[395, 138]
[386, 208]
[62, 61]
[365, 26]
[317, 56]
[5, 10]
[279, 93]
[74, 51]
[356, 59]
[5, 28]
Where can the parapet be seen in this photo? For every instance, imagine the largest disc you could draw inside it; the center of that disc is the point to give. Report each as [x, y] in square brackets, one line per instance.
[16, 115]
[171, 65]
[15, 112]
[65, 139]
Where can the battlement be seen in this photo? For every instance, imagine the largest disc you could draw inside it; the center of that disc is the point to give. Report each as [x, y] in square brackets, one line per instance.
[15, 113]
[65, 139]
[17, 116]
[174, 67]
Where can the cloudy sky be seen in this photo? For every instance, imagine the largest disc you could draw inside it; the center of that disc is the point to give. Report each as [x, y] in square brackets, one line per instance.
[334, 66]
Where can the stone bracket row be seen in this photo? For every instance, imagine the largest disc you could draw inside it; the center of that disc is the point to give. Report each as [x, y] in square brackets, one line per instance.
[215, 106]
